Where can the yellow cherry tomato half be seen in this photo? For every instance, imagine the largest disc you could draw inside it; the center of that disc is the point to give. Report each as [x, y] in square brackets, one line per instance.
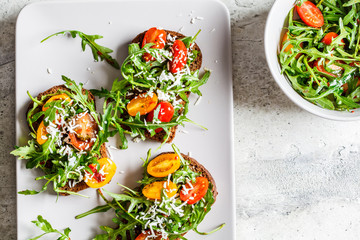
[62, 96]
[153, 190]
[100, 178]
[41, 133]
[163, 165]
[143, 103]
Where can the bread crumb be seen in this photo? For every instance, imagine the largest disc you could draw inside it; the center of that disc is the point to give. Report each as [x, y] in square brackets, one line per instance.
[49, 71]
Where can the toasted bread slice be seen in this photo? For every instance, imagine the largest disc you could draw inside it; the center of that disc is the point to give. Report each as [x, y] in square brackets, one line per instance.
[196, 167]
[195, 65]
[57, 89]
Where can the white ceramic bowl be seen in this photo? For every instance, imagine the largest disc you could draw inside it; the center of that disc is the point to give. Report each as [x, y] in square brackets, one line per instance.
[273, 32]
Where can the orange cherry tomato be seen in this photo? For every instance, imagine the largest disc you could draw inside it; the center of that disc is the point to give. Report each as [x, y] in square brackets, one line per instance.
[166, 112]
[102, 177]
[179, 52]
[163, 165]
[192, 193]
[145, 236]
[310, 14]
[143, 103]
[290, 46]
[154, 190]
[85, 126]
[154, 35]
[41, 133]
[284, 40]
[62, 96]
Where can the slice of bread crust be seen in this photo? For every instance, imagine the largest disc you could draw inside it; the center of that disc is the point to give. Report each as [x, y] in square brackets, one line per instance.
[103, 152]
[195, 65]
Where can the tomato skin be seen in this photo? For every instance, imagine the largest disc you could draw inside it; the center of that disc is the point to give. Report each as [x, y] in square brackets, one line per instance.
[321, 68]
[310, 14]
[290, 46]
[143, 103]
[179, 56]
[144, 236]
[163, 165]
[153, 35]
[41, 133]
[329, 37]
[86, 126]
[166, 113]
[195, 194]
[154, 190]
[284, 40]
[80, 144]
[62, 96]
[96, 179]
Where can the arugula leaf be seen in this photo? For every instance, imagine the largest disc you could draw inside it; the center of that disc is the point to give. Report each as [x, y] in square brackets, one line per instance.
[46, 227]
[97, 50]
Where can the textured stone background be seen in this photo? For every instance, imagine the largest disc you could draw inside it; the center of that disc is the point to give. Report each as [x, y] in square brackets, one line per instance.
[297, 175]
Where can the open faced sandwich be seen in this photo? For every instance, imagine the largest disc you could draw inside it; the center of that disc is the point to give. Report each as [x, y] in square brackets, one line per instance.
[159, 73]
[67, 140]
[175, 194]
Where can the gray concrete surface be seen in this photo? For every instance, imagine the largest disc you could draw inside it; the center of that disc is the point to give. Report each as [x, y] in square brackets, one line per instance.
[297, 175]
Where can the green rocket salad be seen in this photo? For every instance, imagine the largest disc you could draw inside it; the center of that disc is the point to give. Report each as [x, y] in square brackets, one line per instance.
[322, 60]
[137, 216]
[152, 77]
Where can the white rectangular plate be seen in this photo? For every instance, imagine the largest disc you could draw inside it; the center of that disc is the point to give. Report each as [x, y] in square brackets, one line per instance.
[39, 66]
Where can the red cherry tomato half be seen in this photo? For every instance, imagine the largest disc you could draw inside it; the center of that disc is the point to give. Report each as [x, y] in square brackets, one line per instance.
[179, 56]
[194, 192]
[80, 144]
[154, 35]
[329, 37]
[166, 112]
[310, 14]
[321, 68]
[145, 236]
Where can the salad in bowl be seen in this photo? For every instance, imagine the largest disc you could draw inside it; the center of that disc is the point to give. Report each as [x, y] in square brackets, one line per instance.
[317, 55]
